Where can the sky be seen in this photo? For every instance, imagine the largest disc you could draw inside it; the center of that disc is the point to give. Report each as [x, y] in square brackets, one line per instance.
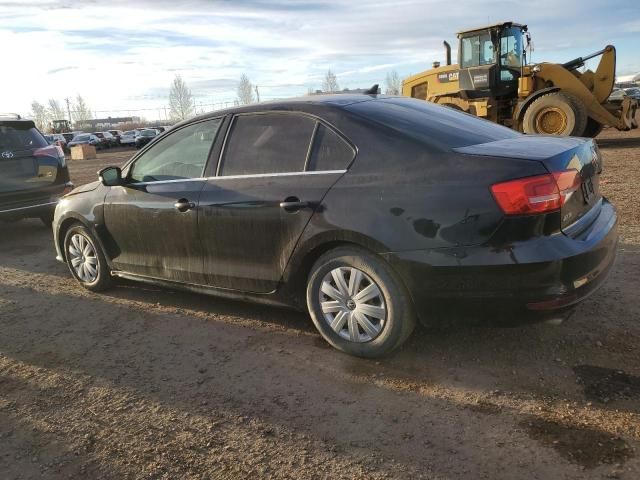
[122, 56]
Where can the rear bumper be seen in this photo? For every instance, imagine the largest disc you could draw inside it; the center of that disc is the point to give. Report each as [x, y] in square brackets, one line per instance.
[39, 203]
[524, 281]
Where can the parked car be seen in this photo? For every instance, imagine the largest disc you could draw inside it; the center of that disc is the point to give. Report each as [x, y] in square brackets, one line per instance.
[633, 92]
[88, 139]
[68, 137]
[117, 134]
[144, 137]
[57, 139]
[619, 94]
[33, 173]
[110, 139]
[105, 141]
[128, 137]
[368, 211]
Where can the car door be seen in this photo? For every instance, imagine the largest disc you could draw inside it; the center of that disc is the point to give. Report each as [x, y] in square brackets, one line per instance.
[152, 218]
[266, 188]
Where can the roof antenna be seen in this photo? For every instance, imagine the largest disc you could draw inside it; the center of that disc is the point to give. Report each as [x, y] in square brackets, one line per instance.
[373, 90]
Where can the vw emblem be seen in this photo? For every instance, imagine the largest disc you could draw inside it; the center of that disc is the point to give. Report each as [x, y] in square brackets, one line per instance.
[7, 154]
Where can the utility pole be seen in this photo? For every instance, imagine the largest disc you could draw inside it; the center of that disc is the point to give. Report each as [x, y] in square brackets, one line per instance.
[68, 109]
[257, 94]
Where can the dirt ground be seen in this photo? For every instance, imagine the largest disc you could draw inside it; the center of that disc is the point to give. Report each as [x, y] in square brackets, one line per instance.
[141, 382]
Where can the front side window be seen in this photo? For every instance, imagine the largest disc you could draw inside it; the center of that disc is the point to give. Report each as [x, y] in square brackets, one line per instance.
[267, 143]
[477, 50]
[181, 155]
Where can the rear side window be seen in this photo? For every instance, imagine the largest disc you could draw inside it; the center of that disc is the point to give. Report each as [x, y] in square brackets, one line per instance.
[439, 126]
[330, 151]
[267, 143]
[17, 136]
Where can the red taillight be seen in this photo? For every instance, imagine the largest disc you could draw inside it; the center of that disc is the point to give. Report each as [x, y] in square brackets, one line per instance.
[539, 194]
[54, 151]
[49, 151]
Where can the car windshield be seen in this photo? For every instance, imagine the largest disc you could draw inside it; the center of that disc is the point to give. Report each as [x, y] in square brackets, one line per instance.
[81, 138]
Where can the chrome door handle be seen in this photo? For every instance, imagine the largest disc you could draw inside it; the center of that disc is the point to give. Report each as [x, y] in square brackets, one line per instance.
[293, 204]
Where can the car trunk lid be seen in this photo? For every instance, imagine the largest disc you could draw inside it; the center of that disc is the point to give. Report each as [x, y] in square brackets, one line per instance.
[557, 154]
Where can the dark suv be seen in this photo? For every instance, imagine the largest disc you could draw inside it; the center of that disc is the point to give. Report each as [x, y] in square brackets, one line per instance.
[33, 174]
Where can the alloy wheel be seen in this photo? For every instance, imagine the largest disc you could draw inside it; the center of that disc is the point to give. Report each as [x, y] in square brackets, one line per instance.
[83, 258]
[352, 304]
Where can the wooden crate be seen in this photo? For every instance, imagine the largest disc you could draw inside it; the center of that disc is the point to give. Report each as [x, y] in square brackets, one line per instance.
[83, 152]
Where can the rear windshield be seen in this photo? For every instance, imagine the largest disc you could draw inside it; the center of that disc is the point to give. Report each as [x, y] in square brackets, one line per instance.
[438, 125]
[20, 136]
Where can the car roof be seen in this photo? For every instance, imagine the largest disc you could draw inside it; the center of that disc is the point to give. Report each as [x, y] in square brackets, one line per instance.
[298, 104]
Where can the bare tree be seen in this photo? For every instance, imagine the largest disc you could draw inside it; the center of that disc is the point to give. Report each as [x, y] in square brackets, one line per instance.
[181, 103]
[245, 91]
[393, 83]
[40, 116]
[56, 112]
[81, 112]
[330, 83]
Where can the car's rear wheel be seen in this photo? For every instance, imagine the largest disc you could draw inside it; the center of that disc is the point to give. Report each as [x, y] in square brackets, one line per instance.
[358, 304]
[85, 259]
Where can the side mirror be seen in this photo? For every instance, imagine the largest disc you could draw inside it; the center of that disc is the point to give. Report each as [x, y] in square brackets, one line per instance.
[110, 176]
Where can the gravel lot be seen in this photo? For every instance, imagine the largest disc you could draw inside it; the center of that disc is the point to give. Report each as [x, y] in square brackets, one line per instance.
[141, 382]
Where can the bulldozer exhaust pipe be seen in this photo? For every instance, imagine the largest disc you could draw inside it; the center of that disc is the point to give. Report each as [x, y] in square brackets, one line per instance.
[447, 49]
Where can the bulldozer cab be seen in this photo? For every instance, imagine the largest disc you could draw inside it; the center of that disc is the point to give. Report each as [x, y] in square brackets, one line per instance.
[491, 60]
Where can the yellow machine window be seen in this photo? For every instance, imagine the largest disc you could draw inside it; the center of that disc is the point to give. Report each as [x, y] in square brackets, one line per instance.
[420, 91]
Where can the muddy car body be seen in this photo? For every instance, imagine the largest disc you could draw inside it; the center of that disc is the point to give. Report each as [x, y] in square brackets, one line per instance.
[370, 211]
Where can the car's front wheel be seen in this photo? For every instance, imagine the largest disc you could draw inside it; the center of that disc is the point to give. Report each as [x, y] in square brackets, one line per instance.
[85, 259]
[358, 303]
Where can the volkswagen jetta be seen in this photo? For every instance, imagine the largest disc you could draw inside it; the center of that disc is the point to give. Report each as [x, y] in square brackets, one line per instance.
[369, 211]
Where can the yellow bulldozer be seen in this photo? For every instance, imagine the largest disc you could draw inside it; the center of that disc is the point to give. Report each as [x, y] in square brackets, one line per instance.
[493, 80]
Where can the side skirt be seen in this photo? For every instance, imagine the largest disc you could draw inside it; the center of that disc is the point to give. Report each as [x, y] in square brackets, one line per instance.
[271, 298]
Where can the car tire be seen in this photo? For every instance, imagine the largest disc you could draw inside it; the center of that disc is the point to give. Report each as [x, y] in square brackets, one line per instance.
[369, 314]
[81, 249]
[555, 113]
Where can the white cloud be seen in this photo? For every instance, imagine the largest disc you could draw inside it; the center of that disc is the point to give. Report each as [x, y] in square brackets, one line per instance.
[124, 55]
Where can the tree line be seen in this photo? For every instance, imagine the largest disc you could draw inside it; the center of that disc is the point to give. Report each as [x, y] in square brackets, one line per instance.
[76, 108]
[181, 102]
[182, 105]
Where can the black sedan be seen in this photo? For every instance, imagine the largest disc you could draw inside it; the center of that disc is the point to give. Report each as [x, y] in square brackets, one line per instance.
[145, 136]
[86, 139]
[369, 211]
